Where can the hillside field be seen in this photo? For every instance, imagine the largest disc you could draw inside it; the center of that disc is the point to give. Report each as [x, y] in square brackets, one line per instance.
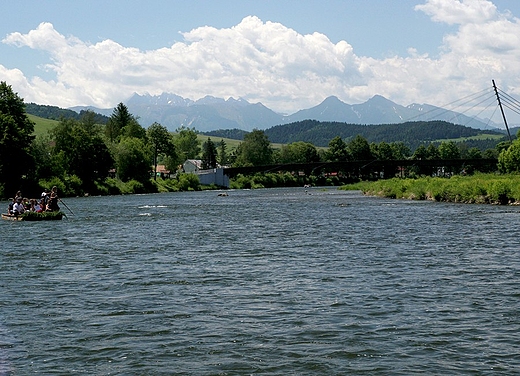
[43, 126]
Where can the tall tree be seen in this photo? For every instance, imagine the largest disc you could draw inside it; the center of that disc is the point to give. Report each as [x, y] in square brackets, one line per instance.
[432, 152]
[161, 142]
[360, 149]
[133, 160]
[81, 150]
[187, 143]
[209, 155]
[509, 159]
[123, 123]
[223, 158]
[382, 151]
[255, 150]
[15, 140]
[299, 152]
[449, 150]
[400, 150]
[338, 150]
[420, 153]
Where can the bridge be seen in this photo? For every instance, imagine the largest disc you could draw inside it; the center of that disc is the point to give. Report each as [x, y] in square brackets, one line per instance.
[374, 169]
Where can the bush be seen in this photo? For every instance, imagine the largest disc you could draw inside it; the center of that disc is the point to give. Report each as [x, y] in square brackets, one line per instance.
[70, 185]
[500, 192]
[188, 182]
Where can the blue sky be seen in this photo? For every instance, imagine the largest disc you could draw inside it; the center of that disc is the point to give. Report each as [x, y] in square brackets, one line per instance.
[288, 54]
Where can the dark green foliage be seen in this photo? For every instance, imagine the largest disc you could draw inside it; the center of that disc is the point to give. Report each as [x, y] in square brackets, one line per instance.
[132, 160]
[449, 150]
[413, 133]
[360, 149]
[15, 140]
[338, 150]
[298, 152]
[81, 150]
[234, 134]
[255, 150]
[209, 155]
[223, 158]
[122, 123]
[161, 142]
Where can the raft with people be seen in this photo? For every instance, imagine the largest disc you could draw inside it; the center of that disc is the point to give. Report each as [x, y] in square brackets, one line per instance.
[33, 216]
[44, 209]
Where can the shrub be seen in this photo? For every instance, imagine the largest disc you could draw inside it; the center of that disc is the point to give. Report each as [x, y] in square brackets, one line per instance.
[500, 192]
[188, 182]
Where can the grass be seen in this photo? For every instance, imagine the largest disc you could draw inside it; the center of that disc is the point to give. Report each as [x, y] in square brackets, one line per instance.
[42, 126]
[478, 188]
[479, 137]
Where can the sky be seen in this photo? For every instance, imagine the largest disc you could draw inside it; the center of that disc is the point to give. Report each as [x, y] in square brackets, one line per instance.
[287, 54]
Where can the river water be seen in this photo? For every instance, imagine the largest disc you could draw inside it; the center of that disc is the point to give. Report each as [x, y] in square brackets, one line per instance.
[267, 282]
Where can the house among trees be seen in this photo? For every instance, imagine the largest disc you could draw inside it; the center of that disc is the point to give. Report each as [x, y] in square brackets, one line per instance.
[192, 165]
[163, 172]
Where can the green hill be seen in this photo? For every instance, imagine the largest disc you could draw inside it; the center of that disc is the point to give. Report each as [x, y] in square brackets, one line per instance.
[411, 133]
[42, 126]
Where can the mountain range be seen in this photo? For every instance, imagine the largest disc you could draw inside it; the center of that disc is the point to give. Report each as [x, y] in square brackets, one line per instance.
[211, 113]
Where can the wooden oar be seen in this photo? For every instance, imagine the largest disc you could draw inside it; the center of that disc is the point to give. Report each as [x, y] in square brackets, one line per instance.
[66, 206]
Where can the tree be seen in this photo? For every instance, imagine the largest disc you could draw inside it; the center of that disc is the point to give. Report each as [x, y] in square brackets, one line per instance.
[449, 150]
[509, 159]
[209, 155]
[187, 143]
[255, 150]
[432, 152]
[222, 153]
[383, 151]
[15, 140]
[299, 152]
[134, 129]
[79, 149]
[133, 160]
[400, 150]
[420, 153]
[338, 150]
[123, 123]
[161, 143]
[360, 149]
[474, 153]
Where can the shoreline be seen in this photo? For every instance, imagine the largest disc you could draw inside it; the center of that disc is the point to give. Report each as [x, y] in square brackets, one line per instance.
[490, 189]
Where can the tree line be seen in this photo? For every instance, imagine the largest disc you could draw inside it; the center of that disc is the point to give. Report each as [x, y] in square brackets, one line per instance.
[82, 156]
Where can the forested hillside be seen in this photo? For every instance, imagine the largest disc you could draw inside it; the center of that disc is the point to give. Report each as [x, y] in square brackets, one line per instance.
[57, 113]
[411, 133]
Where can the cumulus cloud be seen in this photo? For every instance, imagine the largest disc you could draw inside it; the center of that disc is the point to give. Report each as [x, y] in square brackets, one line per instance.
[459, 11]
[273, 64]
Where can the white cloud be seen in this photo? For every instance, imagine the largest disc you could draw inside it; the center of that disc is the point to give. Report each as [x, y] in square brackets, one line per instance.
[273, 64]
[459, 11]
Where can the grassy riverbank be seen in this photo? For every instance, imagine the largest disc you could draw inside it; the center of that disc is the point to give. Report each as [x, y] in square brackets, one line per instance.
[479, 188]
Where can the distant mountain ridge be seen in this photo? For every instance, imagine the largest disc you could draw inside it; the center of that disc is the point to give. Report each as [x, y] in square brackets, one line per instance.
[211, 113]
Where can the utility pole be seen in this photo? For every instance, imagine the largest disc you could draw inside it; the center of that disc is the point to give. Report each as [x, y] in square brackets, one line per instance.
[502, 110]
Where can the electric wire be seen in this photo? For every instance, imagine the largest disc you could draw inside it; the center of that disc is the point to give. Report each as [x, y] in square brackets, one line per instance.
[446, 108]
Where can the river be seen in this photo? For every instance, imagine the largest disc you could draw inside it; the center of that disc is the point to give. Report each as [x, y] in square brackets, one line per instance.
[270, 282]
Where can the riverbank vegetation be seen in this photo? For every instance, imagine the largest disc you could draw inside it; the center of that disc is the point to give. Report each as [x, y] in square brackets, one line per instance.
[479, 188]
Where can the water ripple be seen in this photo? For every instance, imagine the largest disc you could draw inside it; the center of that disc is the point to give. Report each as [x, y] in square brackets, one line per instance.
[277, 281]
